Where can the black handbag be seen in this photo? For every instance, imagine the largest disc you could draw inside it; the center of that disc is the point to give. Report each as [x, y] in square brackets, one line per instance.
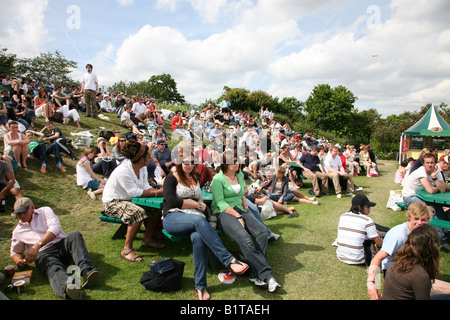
[164, 282]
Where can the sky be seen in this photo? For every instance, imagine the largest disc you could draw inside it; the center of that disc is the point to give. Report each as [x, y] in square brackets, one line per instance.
[394, 55]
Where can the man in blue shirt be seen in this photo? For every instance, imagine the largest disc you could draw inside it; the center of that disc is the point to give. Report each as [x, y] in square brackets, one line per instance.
[313, 170]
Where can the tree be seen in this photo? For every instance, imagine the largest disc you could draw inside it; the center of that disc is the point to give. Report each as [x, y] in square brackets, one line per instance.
[331, 109]
[164, 88]
[7, 61]
[52, 67]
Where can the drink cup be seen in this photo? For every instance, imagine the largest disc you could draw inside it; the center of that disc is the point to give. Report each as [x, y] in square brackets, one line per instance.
[19, 286]
[9, 270]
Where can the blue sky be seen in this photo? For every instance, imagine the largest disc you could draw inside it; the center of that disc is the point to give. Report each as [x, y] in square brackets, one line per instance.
[394, 55]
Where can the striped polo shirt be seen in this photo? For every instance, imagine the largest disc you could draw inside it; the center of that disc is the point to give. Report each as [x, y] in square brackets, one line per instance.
[353, 230]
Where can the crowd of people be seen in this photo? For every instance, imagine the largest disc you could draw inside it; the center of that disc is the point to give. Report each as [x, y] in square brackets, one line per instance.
[219, 149]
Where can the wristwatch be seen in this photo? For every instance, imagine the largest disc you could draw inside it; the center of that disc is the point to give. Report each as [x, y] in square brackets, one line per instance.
[39, 243]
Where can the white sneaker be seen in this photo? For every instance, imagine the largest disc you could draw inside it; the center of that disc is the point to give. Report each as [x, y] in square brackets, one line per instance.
[92, 195]
[350, 194]
[315, 202]
[339, 196]
[359, 189]
[272, 284]
[312, 198]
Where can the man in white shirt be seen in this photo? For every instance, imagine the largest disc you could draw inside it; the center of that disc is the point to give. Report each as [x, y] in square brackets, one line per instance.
[139, 109]
[336, 172]
[89, 88]
[39, 239]
[427, 177]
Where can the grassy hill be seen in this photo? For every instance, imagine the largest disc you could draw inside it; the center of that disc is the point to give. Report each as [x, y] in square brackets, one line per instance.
[303, 260]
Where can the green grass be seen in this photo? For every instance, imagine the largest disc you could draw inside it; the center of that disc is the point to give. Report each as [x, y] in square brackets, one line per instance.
[303, 260]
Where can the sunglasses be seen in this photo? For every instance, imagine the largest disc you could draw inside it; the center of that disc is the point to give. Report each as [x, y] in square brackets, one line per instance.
[187, 162]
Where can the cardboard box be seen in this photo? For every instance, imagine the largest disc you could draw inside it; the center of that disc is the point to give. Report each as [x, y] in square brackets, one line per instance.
[24, 275]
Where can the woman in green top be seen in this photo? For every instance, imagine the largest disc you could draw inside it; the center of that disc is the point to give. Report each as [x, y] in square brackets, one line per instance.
[237, 221]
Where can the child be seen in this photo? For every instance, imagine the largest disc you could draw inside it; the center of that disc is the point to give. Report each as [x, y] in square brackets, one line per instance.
[86, 177]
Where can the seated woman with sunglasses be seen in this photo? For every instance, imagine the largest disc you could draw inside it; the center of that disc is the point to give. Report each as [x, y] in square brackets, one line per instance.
[237, 221]
[184, 214]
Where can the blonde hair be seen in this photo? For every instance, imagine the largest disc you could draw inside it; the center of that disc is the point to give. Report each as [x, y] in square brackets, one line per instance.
[419, 210]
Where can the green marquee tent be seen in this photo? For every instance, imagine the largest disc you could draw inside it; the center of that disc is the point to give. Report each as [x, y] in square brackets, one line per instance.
[431, 124]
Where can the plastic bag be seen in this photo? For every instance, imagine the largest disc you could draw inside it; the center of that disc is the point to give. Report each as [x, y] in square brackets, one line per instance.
[267, 210]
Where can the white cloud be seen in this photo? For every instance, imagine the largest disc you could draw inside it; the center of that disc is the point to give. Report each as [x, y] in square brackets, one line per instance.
[23, 31]
[402, 63]
[125, 3]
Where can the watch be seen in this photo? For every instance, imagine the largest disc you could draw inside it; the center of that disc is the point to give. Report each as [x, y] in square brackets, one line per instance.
[39, 243]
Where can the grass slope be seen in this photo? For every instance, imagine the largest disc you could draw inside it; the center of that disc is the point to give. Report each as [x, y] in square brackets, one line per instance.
[303, 260]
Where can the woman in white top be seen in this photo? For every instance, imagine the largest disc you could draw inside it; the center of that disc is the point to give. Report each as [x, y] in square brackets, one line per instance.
[86, 177]
[17, 142]
[127, 181]
[350, 157]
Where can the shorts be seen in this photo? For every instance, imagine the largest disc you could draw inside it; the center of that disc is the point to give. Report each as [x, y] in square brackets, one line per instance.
[128, 123]
[93, 184]
[128, 212]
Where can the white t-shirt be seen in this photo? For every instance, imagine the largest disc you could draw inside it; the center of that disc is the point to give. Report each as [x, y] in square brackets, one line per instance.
[90, 81]
[412, 182]
[335, 163]
[353, 230]
[124, 184]
[139, 108]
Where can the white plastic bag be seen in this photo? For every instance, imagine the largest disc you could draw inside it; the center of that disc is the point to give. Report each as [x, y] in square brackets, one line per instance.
[267, 210]
[395, 196]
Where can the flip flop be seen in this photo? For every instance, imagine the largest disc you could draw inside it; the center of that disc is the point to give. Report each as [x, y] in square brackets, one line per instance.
[237, 262]
[123, 255]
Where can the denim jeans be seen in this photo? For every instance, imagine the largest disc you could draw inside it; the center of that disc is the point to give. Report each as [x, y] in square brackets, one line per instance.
[274, 197]
[254, 252]
[52, 261]
[253, 209]
[203, 236]
[42, 152]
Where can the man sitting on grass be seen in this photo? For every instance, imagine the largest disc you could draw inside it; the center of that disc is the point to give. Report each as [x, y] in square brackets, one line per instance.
[39, 233]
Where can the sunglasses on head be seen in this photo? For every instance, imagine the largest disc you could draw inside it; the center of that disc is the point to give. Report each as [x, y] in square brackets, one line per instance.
[188, 162]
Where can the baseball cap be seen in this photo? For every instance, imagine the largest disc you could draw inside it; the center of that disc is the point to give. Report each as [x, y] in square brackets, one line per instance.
[447, 159]
[362, 200]
[21, 205]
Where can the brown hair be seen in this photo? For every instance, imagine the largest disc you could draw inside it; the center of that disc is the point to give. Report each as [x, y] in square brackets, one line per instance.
[180, 172]
[421, 248]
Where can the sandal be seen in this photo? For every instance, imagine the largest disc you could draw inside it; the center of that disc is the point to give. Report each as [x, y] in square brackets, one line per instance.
[202, 291]
[293, 215]
[237, 262]
[123, 255]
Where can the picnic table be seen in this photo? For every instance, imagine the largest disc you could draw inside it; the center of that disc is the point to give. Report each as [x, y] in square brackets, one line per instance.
[438, 198]
[157, 202]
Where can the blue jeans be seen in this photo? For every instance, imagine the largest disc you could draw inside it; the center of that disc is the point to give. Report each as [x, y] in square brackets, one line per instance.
[274, 197]
[253, 209]
[254, 252]
[203, 236]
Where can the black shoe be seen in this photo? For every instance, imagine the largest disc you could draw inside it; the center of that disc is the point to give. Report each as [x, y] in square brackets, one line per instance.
[2, 208]
[87, 116]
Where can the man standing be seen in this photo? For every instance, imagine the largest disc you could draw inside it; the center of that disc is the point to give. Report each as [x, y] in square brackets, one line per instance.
[39, 233]
[313, 170]
[336, 172]
[89, 88]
